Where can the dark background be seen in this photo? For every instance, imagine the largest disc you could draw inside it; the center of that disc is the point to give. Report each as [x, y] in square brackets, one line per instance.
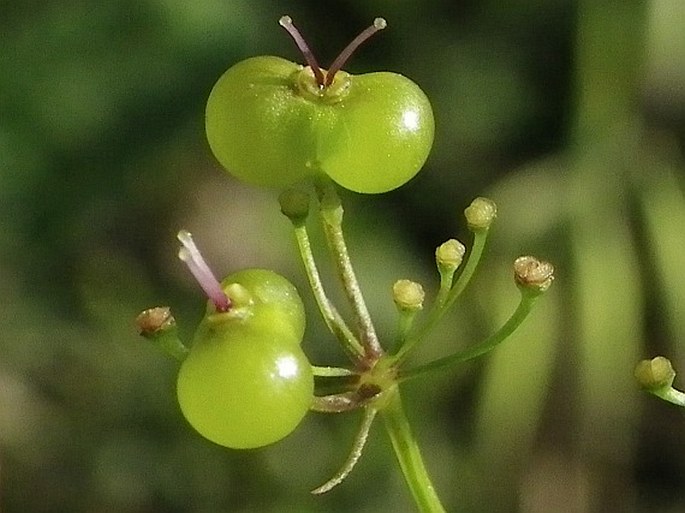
[570, 115]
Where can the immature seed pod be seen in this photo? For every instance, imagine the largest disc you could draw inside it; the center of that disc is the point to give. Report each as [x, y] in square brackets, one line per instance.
[271, 122]
[244, 385]
[245, 382]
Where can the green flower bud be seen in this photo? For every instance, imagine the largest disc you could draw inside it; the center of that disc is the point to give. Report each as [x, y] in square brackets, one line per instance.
[449, 255]
[655, 374]
[408, 295]
[533, 274]
[295, 205]
[480, 214]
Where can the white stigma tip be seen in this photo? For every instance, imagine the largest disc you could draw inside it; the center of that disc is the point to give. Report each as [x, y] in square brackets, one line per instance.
[192, 257]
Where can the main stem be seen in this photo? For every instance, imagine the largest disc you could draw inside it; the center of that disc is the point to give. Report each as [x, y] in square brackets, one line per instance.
[409, 456]
[396, 423]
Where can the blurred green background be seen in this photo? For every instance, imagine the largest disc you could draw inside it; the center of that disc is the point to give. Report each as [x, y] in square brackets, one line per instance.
[569, 114]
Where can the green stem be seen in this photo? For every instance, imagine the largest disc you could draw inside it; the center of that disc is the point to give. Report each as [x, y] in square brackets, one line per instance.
[671, 395]
[443, 305]
[331, 215]
[330, 315]
[446, 281]
[173, 346]
[352, 459]
[524, 308]
[479, 239]
[409, 456]
[404, 323]
[331, 372]
[335, 403]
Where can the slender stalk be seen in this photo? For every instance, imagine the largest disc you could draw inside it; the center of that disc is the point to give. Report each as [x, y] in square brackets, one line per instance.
[479, 239]
[335, 403]
[671, 395]
[528, 299]
[331, 372]
[409, 456]
[446, 280]
[405, 321]
[355, 454]
[446, 301]
[331, 212]
[329, 313]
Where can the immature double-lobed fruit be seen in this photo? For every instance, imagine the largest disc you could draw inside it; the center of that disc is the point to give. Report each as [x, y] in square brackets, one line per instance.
[270, 122]
[246, 382]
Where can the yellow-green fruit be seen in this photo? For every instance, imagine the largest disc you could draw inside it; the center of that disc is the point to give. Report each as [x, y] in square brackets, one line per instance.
[244, 386]
[269, 123]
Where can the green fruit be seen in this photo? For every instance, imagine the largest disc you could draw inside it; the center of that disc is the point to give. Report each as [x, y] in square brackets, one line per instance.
[244, 385]
[271, 122]
[245, 382]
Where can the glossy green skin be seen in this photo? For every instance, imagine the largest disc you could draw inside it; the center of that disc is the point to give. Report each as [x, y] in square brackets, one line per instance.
[276, 301]
[243, 386]
[266, 126]
[246, 382]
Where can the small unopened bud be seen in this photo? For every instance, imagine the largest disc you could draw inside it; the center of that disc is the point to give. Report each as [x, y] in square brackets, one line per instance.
[158, 325]
[153, 321]
[449, 255]
[408, 295]
[654, 374]
[295, 205]
[531, 273]
[480, 214]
